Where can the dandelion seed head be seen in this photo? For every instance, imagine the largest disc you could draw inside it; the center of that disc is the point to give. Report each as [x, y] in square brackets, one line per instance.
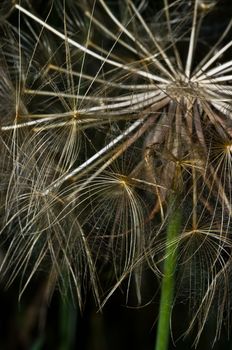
[229, 148]
[114, 120]
[207, 5]
[123, 183]
[188, 91]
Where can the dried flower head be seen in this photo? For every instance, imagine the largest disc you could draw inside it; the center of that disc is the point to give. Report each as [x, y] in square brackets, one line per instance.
[117, 110]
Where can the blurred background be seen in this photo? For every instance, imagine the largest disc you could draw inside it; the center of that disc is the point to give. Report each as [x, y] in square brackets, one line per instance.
[31, 324]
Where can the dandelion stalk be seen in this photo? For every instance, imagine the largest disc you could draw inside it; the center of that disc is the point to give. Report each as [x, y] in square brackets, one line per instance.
[67, 324]
[168, 282]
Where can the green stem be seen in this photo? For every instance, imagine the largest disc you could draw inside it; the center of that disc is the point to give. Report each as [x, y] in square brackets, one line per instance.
[67, 317]
[168, 282]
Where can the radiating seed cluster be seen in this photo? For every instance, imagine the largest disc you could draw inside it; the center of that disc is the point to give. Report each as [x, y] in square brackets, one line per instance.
[108, 109]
